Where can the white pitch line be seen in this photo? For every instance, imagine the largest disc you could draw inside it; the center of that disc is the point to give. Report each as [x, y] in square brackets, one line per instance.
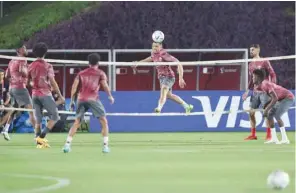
[61, 182]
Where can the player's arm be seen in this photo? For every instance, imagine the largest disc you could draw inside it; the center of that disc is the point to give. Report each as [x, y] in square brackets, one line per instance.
[8, 98]
[273, 100]
[148, 59]
[106, 88]
[55, 87]
[271, 72]
[250, 87]
[74, 89]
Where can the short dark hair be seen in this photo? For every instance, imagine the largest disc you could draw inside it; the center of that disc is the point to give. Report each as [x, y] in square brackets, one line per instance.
[255, 46]
[93, 59]
[40, 49]
[260, 73]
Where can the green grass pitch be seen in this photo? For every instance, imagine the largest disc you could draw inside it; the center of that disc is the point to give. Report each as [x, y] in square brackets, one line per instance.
[145, 163]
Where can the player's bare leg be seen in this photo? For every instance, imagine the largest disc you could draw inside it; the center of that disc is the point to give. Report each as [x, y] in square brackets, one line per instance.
[188, 108]
[274, 138]
[162, 99]
[105, 134]
[253, 127]
[7, 119]
[73, 130]
[285, 139]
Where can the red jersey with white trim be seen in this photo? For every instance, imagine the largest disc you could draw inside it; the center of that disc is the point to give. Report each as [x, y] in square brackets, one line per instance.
[163, 56]
[280, 92]
[18, 79]
[90, 80]
[261, 65]
[40, 72]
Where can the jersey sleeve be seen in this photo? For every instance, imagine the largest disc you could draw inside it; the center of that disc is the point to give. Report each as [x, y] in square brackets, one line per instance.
[270, 71]
[103, 76]
[50, 72]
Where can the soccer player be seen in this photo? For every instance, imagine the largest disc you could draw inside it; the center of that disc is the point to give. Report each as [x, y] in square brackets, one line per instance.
[166, 77]
[41, 76]
[87, 83]
[17, 73]
[5, 102]
[281, 100]
[258, 97]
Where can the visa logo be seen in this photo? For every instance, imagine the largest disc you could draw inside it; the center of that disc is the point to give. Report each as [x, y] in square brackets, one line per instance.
[213, 119]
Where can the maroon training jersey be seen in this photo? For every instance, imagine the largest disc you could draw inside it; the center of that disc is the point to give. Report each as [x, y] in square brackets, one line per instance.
[18, 79]
[163, 56]
[40, 72]
[90, 80]
[261, 65]
[280, 92]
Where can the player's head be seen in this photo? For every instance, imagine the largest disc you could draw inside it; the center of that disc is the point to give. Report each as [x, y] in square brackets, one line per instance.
[40, 50]
[93, 59]
[22, 50]
[258, 76]
[254, 50]
[156, 47]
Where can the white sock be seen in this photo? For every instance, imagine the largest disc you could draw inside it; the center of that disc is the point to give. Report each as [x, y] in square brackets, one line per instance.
[185, 105]
[284, 135]
[106, 140]
[69, 139]
[6, 127]
[159, 106]
[273, 134]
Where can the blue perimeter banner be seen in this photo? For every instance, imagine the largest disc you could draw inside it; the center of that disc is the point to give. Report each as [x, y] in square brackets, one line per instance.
[203, 101]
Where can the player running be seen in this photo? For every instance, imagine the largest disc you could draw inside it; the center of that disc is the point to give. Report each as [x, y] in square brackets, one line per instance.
[258, 97]
[87, 83]
[41, 75]
[281, 100]
[17, 74]
[166, 77]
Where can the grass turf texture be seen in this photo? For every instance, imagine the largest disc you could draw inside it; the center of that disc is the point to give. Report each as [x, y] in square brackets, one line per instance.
[158, 163]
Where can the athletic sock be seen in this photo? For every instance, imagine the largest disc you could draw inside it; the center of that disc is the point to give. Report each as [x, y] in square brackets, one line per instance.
[69, 139]
[273, 134]
[106, 140]
[284, 135]
[44, 132]
[253, 131]
[6, 128]
[185, 105]
[159, 106]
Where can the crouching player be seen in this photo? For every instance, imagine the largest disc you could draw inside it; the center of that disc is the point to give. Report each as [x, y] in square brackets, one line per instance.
[87, 83]
[281, 100]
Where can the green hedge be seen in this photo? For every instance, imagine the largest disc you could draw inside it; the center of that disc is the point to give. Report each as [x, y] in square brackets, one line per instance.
[32, 18]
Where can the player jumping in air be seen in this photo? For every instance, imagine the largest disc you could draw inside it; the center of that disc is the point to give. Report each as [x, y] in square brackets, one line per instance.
[17, 73]
[166, 77]
[87, 84]
[281, 100]
[258, 97]
[41, 75]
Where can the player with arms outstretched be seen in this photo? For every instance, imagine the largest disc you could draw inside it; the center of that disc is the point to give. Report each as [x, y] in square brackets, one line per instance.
[17, 74]
[281, 100]
[41, 75]
[258, 97]
[87, 84]
[166, 77]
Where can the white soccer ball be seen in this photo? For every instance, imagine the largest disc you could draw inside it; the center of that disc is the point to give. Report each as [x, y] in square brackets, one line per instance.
[158, 36]
[278, 180]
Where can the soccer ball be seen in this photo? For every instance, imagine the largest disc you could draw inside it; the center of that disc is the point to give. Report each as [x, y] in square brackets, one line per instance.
[158, 36]
[278, 180]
